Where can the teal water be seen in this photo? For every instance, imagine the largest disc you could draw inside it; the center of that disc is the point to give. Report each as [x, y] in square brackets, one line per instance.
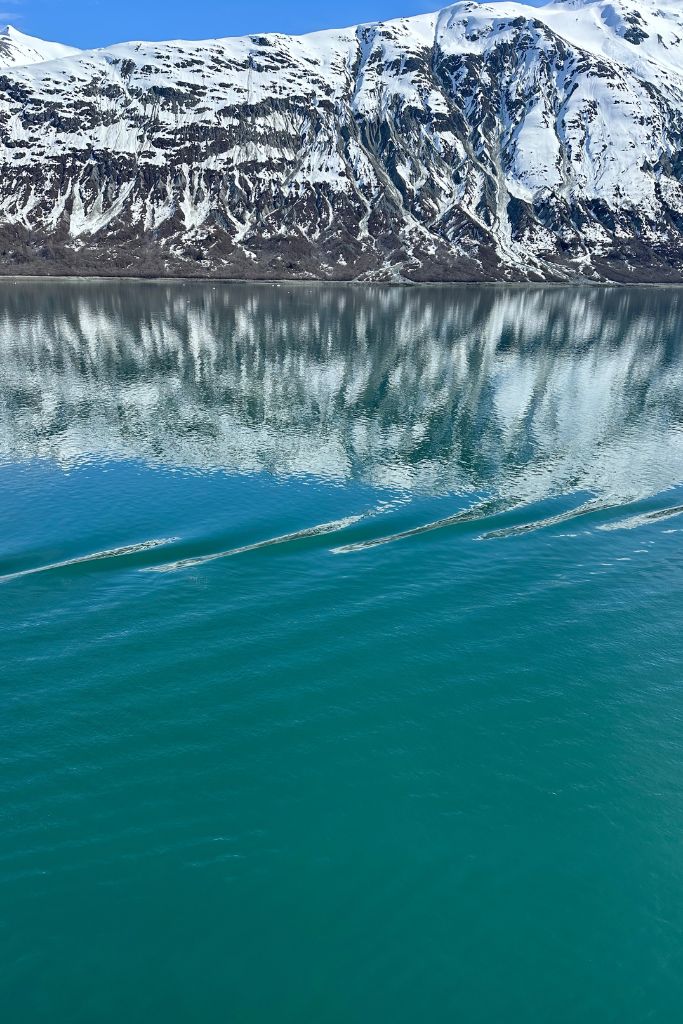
[341, 654]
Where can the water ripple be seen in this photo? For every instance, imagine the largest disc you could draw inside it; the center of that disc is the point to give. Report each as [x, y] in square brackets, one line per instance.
[96, 556]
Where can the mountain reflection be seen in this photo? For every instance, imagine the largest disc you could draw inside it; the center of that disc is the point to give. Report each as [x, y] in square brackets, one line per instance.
[507, 391]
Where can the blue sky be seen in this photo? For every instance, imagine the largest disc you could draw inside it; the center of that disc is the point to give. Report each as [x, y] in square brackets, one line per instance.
[99, 22]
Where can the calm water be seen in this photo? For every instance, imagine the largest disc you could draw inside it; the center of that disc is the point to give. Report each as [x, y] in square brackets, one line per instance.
[342, 654]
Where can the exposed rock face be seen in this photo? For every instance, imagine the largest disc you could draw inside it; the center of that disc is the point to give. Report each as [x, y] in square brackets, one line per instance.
[482, 142]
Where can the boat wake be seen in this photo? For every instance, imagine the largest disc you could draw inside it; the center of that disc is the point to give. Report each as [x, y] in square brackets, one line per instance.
[97, 556]
[644, 519]
[286, 538]
[482, 510]
[596, 505]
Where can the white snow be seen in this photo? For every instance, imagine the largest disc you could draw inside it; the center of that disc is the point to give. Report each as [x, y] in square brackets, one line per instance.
[584, 110]
[16, 49]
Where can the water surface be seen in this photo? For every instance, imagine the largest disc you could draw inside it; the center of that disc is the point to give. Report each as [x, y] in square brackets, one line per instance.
[341, 646]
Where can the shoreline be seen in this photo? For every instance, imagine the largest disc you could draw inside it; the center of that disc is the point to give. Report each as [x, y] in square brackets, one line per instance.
[318, 282]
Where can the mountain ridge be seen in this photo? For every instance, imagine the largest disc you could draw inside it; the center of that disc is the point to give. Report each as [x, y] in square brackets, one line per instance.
[17, 49]
[480, 142]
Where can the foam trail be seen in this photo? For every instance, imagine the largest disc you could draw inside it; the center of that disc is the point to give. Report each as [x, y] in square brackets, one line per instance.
[541, 524]
[472, 514]
[285, 538]
[128, 549]
[644, 519]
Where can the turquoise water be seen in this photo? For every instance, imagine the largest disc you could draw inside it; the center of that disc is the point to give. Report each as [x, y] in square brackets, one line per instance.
[341, 646]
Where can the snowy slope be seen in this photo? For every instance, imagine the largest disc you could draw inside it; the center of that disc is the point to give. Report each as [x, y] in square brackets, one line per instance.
[482, 141]
[17, 48]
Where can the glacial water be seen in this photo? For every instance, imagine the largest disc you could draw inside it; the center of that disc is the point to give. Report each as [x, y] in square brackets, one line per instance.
[342, 654]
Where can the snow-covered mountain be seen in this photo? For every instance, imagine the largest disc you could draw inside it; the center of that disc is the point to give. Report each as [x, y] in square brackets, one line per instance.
[18, 48]
[483, 141]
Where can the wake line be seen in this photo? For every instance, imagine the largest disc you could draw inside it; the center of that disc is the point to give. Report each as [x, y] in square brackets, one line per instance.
[562, 517]
[128, 549]
[472, 514]
[642, 520]
[285, 538]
